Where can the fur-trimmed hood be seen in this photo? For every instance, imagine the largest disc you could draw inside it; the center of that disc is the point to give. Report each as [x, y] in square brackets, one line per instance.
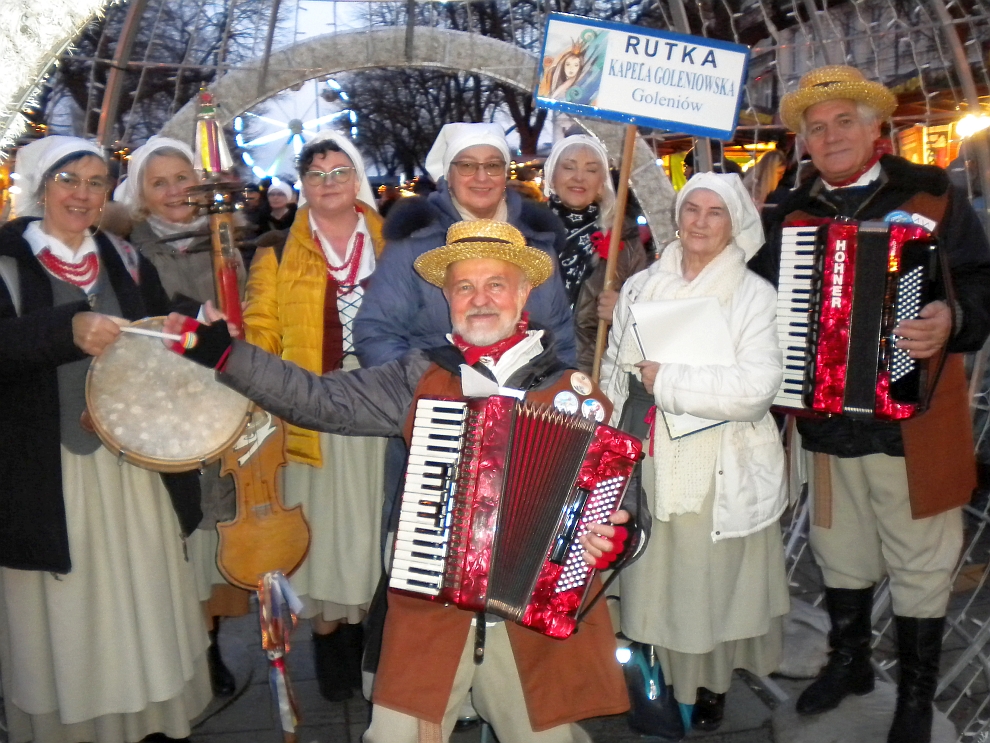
[409, 216]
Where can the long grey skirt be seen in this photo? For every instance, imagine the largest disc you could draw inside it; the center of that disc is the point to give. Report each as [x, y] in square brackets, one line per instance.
[708, 607]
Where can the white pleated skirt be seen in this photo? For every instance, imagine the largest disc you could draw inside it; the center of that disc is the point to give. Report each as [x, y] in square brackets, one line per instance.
[342, 501]
[114, 650]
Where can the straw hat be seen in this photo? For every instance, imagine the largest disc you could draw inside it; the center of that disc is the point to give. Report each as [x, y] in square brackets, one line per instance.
[484, 238]
[832, 83]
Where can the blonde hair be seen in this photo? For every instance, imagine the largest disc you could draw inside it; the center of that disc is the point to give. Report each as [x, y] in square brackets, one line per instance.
[140, 212]
[606, 200]
[762, 178]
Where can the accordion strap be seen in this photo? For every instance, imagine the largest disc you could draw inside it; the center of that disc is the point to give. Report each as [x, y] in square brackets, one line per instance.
[480, 628]
[429, 732]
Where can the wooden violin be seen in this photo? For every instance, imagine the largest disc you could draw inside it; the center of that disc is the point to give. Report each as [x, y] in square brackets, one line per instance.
[265, 535]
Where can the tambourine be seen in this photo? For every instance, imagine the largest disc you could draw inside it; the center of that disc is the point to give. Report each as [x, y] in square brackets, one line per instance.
[157, 410]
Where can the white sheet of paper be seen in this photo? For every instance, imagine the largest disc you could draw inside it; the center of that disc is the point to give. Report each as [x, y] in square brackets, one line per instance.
[684, 331]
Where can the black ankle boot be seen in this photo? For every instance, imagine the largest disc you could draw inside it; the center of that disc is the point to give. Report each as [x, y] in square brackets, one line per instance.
[352, 636]
[329, 655]
[221, 679]
[919, 647]
[709, 709]
[848, 670]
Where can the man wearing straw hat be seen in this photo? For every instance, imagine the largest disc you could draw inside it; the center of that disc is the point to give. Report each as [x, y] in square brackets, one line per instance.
[529, 687]
[887, 496]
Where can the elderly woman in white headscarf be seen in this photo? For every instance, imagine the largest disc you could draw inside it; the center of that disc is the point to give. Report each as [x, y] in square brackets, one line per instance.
[102, 636]
[168, 230]
[171, 233]
[710, 593]
[470, 163]
[301, 302]
[579, 186]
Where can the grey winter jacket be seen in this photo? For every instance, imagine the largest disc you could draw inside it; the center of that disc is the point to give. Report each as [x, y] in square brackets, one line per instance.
[363, 402]
[400, 311]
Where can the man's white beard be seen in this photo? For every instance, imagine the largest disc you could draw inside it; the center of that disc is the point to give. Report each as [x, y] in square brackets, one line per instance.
[481, 337]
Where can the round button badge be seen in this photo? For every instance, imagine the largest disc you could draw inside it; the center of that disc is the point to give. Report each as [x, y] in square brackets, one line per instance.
[581, 383]
[566, 402]
[592, 409]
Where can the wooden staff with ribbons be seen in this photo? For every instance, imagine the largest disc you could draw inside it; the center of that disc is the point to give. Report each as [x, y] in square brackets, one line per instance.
[266, 541]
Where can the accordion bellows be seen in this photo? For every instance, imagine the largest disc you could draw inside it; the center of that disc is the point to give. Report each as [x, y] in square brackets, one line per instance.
[497, 495]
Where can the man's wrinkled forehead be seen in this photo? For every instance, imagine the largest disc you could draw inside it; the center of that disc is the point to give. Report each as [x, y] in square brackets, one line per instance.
[487, 268]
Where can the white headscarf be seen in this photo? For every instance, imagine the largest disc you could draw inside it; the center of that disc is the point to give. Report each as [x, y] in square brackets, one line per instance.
[747, 228]
[283, 188]
[34, 160]
[455, 138]
[683, 467]
[607, 201]
[129, 192]
[365, 193]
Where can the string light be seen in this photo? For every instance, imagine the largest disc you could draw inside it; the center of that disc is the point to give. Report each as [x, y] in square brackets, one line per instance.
[32, 36]
[970, 124]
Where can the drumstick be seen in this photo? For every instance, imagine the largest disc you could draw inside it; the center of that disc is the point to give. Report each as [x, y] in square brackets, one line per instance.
[187, 339]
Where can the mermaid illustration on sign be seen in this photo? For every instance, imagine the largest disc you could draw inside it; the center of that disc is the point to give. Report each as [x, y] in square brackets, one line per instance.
[574, 73]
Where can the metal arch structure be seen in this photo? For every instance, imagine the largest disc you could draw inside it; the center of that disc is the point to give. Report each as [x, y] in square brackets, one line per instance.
[330, 54]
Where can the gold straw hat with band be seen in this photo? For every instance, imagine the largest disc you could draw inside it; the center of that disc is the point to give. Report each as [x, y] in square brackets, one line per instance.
[484, 238]
[832, 83]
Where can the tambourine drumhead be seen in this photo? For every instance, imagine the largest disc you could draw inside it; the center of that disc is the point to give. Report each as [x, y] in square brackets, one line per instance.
[157, 409]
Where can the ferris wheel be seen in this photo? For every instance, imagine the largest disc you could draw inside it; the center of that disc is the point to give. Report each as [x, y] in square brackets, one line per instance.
[272, 135]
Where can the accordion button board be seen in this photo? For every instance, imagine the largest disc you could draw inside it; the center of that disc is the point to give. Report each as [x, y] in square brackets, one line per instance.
[497, 495]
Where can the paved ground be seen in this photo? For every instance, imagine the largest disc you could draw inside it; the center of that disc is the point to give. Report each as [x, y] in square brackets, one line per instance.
[248, 717]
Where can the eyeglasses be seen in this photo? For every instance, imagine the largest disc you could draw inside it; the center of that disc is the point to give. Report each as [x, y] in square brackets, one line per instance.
[337, 175]
[73, 182]
[467, 168]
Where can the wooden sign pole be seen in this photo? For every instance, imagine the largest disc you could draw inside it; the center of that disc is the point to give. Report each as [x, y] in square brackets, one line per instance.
[618, 218]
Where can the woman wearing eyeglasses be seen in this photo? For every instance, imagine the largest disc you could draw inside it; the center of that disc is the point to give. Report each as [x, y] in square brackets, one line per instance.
[171, 233]
[470, 163]
[101, 635]
[301, 303]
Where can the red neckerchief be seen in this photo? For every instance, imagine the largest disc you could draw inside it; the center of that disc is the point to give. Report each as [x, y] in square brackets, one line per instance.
[80, 274]
[857, 175]
[352, 264]
[601, 240]
[472, 353]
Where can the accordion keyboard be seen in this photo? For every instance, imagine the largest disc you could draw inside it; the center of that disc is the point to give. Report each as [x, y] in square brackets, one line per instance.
[794, 292]
[423, 536]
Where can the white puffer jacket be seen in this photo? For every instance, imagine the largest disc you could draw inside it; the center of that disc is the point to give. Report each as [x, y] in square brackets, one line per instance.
[750, 489]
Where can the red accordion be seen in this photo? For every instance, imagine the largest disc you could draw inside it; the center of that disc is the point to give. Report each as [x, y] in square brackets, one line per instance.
[497, 494]
[843, 287]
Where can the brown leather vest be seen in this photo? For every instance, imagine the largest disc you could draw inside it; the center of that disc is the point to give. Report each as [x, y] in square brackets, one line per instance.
[938, 444]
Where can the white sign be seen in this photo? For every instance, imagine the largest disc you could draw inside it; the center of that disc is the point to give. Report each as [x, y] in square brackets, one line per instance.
[642, 76]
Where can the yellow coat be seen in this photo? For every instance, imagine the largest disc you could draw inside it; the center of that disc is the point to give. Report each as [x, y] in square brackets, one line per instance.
[284, 313]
